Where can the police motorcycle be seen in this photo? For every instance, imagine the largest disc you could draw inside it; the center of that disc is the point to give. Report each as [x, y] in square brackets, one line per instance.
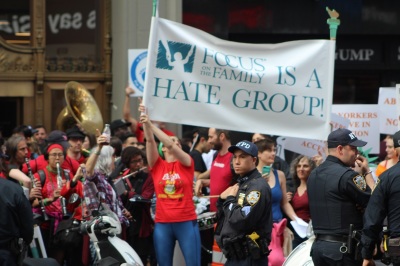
[103, 228]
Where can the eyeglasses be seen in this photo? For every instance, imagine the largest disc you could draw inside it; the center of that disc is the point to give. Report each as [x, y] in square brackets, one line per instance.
[136, 161]
[60, 155]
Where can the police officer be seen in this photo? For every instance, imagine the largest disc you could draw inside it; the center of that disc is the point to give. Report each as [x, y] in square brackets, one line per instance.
[244, 211]
[16, 221]
[337, 196]
[384, 202]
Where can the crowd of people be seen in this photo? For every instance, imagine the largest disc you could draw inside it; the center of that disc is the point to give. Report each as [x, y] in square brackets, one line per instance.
[252, 192]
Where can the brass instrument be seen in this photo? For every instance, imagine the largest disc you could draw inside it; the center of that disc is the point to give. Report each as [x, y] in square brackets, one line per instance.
[81, 109]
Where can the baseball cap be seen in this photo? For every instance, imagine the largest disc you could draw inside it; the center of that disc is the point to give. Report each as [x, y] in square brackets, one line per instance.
[343, 136]
[246, 146]
[119, 123]
[396, 139]
[75, 132]
[58, 136]
[27, 131]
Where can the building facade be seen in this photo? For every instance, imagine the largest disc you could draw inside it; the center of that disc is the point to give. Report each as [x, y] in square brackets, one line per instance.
[45, 44]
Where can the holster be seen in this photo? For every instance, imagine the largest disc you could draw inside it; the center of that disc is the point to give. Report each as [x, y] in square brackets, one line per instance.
[353, 242]
[393, 245]
[236, 248]
[242, 247]
[18, 249]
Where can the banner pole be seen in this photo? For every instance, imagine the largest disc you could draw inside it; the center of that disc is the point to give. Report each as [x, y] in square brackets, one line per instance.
[150, 55]
[154, 7]
[333, 22]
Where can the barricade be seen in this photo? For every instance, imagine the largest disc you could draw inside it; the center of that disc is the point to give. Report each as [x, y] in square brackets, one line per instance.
[218, 257]
[37, 238]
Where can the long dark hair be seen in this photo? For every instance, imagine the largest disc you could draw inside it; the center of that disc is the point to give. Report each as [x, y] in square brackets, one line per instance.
[293, 168]
[12, 146]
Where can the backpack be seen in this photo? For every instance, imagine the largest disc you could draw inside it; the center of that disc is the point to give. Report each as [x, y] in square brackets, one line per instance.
[42, 176]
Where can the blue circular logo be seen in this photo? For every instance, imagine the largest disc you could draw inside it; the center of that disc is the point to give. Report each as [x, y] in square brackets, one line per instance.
[138, 71]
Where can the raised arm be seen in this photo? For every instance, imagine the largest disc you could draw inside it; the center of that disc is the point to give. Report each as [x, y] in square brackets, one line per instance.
[152, 152]
[91, 162]
[126, 110]
[151, 145]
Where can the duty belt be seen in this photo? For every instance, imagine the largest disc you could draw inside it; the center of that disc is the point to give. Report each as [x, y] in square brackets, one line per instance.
[350, 243]
[333, 238]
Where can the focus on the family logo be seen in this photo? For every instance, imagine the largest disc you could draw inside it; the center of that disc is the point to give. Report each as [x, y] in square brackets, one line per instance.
[175, 56]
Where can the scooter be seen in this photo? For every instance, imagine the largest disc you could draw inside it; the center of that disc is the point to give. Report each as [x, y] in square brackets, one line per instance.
[103, 228]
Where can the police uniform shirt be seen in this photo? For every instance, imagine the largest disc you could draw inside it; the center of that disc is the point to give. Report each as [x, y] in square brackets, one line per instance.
[336, 193]
[249, 211]
[385, 201]
[16, 218]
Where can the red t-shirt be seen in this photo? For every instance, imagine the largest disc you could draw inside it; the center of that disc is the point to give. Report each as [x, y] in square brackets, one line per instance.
[220, 177]
[50, 184]
[173, 184]
[301, 207]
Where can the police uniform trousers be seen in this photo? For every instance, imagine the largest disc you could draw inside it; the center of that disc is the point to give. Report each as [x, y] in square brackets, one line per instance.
[7, 258]
[326, 253]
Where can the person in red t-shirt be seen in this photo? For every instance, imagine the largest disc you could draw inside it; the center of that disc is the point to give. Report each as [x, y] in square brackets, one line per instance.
[172, 170]
[220, 175]
[300, 168]
[52, 190]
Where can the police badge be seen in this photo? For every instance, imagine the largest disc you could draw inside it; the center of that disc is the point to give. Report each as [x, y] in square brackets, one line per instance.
[359, 180]
[253, 197]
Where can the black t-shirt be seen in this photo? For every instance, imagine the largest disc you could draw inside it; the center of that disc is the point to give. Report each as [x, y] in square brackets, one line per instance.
[199, 164]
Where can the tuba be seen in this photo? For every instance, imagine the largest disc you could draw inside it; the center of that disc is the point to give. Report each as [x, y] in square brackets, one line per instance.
[81, 109]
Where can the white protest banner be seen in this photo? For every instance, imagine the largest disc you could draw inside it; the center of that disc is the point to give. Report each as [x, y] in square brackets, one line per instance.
[389, 120]
[339, 122]
[279, 89]
[364, 122]
[137, 60]
[307, 147]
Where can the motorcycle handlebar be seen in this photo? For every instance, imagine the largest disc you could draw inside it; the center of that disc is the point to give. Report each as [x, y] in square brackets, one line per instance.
[86, 227]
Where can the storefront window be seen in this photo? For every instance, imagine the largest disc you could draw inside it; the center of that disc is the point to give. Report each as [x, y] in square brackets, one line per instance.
[15, 22]
[72, 37]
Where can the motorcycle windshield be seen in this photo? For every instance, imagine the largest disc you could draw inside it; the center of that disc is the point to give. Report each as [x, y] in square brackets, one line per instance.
[106, 211]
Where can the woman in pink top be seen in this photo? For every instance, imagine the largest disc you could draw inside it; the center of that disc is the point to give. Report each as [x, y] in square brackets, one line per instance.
[172, 170]
[300, 168]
